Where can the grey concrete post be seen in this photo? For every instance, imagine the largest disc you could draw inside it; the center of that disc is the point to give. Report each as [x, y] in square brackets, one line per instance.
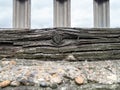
[62, 13]
[21, 13]
[101, 13]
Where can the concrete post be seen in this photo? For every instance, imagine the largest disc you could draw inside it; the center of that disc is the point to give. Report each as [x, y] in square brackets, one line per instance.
[21, 13]
[62, 13]
[101, 13]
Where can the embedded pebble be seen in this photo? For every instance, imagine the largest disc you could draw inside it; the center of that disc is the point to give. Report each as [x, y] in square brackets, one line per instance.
[79, 80]
[43, 84]
[5, 83]
[53, 85]
[24, 82]
[70, 57]
[4, 63]
[12, 62]
[15, 83]
[56, 79]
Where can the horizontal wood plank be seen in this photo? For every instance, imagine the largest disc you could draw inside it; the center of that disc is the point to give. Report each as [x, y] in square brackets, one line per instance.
[58, 43]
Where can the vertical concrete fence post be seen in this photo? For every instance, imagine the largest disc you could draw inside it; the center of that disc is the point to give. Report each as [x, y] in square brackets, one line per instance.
[62, 13]
[101, 13]
[21, 13]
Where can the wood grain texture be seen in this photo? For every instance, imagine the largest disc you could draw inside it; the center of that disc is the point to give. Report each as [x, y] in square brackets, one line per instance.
[58, 43]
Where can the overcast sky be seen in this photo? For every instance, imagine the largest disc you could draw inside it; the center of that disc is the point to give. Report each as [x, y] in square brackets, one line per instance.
[42, 13]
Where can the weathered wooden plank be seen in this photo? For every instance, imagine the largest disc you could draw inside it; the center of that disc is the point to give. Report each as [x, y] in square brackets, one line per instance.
[68, 49]
[58, 43]
[42, 33]
[96, 55]
[66, 42]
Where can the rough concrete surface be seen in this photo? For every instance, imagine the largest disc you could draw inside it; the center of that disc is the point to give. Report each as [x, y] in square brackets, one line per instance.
[59, 75]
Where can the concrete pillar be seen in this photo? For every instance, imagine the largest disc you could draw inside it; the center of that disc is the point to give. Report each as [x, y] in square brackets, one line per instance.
[101, 13]
[62, 13]
[21, 13]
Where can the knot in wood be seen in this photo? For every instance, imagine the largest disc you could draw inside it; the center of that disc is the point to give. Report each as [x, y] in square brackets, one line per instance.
[57, 38]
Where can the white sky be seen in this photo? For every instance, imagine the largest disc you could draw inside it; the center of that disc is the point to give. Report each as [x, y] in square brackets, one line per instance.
[42, 13]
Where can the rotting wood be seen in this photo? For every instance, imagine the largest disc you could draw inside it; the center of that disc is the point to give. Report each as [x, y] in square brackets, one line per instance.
[58, 43]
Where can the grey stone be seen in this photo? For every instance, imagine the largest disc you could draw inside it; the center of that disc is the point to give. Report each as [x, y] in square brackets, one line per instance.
[43, 84]
[15, 83]
[53, 86]
[63, 88]
[24, 82]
